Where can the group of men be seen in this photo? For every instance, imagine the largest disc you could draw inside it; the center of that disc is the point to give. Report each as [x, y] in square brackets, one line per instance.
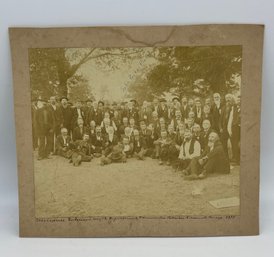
[190, 134]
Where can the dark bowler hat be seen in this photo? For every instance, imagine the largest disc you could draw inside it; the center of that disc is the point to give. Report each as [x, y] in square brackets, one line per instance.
[162, 100]
[142, 121]
[88, 100]
[101, 103]
[133, 101]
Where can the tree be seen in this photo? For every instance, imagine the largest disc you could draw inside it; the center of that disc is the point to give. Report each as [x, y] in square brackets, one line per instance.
[79, 89]
[52, 68]
[195, 70]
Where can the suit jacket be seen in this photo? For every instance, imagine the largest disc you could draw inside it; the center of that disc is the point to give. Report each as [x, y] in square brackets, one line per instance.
[217, 161]
[57, 116]
[145, 114]
[204, 138]
[75, 116]
[216, 117]
[163, 112]
[133, 113]
[89, 114]
[44, 120]
[77, 134]
[97, 116]
[147, 138]
[97, 142]
[67, 116]
[60, 143]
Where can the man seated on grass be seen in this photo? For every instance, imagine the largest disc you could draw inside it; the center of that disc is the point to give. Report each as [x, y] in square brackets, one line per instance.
[189, 149]
[213, 160]
[117, 155]
[162, 148]
[139, 146]
[63, 142]
[84, 149]
[110, 139]
[97, 142]
[127, 147]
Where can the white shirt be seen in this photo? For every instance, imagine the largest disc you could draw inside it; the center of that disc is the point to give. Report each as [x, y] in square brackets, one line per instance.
[230, 119]
[184, 153]
[79, 113]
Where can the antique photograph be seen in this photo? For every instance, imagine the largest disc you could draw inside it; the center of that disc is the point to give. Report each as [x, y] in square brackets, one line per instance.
[136, 131]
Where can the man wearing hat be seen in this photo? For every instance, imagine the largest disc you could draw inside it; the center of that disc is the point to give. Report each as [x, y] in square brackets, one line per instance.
[98, 114]
[162, 110]
[45, 125]
[133, 111]
[67, 113]
[57, 119]
[88, 111]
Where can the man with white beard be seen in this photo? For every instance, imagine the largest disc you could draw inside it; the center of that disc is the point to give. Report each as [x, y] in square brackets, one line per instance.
[213, 160]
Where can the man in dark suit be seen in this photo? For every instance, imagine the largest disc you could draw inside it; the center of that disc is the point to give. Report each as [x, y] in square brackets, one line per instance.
[57, 120]
[213, 160]
[88, 112]
[79, 131]
[132, 111]
[145, 113]
[162, 110]
[98, 112]
[67, 114]
[63, 143]
[204, 135]
[97, 142]
[234, 130]
[217, 110]
[110, 140]
[45, 125]
[77, 113]
[198, 111]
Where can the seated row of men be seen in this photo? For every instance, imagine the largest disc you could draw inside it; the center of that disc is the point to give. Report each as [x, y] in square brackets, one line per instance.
[195, 152]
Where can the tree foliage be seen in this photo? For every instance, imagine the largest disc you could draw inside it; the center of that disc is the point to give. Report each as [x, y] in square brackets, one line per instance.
[195, 70]
[51, 69]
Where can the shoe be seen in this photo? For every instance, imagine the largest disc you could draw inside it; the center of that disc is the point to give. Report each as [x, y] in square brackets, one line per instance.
[202, 175]
[191, 177]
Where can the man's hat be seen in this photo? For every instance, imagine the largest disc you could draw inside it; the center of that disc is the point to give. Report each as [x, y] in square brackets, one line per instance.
[114, 103]
[162, 100]
[142, 121]
[175, 98]
[89, 100]
[133, 101]
[101, 103]
[63, 97]
[40, 99]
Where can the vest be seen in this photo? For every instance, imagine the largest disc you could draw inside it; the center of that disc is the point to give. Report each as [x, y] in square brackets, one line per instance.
[191, 147]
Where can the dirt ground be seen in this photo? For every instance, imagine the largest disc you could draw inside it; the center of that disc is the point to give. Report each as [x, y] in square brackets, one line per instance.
[137, 188]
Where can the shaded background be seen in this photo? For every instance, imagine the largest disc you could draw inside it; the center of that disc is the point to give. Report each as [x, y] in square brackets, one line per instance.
[129, 12]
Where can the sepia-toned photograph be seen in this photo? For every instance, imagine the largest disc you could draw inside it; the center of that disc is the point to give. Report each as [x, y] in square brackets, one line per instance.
[137, 131]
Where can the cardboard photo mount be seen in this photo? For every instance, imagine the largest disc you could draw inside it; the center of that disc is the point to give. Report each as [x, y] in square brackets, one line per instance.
[251, 39]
